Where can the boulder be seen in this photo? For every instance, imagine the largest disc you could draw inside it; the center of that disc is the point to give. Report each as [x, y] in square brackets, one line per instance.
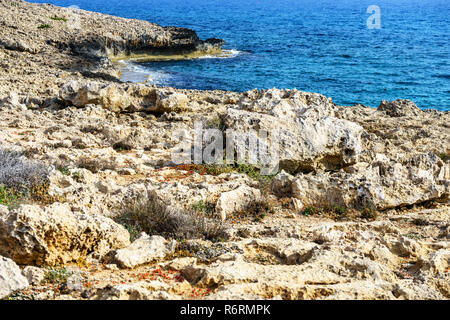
[53, 235]
[11, 278]
[123, 97]
[384, 183]
[171, 102]
[143, 250]
[34, 275]
[282, 184]
[114, 97]
[399, 108]
[309, 137]
[237, 200]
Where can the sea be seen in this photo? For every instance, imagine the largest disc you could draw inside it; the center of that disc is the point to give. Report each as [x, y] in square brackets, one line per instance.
[354, 51]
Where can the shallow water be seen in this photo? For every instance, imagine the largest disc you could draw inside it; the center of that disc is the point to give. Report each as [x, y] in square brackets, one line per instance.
[320, 46]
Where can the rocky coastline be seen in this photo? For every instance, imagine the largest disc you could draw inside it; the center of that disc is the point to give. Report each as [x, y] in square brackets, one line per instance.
[93, 207]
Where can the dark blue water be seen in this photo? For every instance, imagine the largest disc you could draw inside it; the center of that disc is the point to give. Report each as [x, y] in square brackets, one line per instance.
[320, 46]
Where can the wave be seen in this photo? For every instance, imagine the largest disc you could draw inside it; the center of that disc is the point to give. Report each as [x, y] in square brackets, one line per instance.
[225, 54]
[134, 72]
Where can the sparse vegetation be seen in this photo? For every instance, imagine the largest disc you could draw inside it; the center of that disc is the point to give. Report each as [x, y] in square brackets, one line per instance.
[252, 171]
[44, 26]
[444, 156]
[22, 180]
[8, 197]
[369, 213]
[155, 218]
[56, 276]
[204, 207]
[309, 211]
[63, 170]
[58, 19]
[19, 173]
[256, 212]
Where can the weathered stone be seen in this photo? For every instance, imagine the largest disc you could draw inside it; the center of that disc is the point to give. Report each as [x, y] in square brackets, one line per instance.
[382, 184]
[55, 235]
[308, 137]
[399, 108]
[11, 279]
[143, 250]
[33, 274]
[237, 200]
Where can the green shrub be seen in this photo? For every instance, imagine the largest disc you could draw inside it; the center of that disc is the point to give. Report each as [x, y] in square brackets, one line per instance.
[309, 211]
[8, 197]
[57, 276]
[59, 19]
[444, 156]
[44, 26]
[63, 170]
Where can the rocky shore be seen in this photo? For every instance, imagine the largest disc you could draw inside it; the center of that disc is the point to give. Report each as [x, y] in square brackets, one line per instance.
[93, 207]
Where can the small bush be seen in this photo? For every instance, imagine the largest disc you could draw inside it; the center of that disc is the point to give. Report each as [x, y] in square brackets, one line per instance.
[57, 276]
[154, 218]
[204, 207]
[63, 170]
[44, 26]
[309, 211]
[19, 173]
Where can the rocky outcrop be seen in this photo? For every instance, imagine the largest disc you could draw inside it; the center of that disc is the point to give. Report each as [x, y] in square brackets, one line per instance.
[11, 279]
[103, 35]
[309, 137]
[123, 97]
[399, 108]
[56, 235]
[382, 184]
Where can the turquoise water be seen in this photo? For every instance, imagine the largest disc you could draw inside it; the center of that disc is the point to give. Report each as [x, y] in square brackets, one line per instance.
[320, 46]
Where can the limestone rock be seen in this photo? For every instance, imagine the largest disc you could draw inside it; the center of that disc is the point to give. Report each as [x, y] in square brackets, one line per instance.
[399, 108]
[171, 102]
[282, 184]
[309, 138]
[11, 279]
[384, 183]
[34, 275]
[55, 235]
[236, 200]
[144, 249]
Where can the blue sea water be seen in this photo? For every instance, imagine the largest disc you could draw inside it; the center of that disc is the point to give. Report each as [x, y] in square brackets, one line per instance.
[320, 46]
